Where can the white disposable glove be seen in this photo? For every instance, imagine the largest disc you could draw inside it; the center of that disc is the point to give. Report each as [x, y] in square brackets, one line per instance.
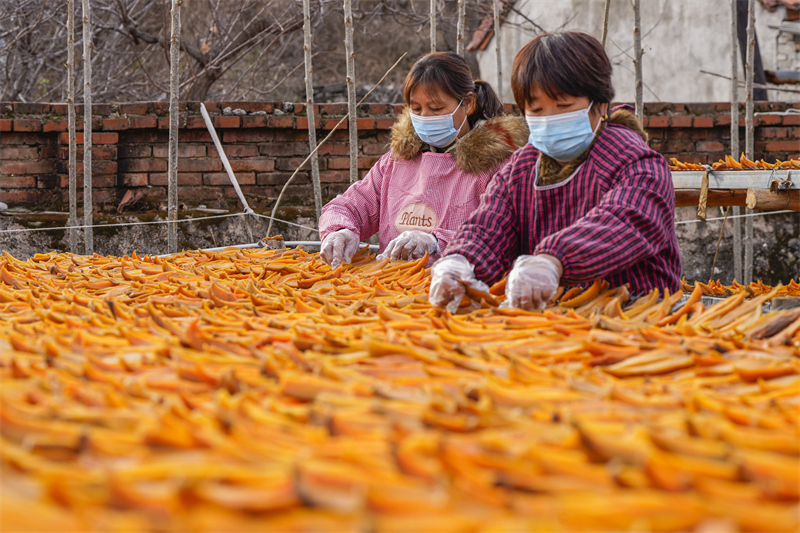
[532, 282]
[339, 247]
[447, 278]
[411, 245]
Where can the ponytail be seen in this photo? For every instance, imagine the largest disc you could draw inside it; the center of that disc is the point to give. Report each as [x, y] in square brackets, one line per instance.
[487, 103]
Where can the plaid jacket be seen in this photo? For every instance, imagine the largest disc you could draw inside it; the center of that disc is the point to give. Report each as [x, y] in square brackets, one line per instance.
[613, 219]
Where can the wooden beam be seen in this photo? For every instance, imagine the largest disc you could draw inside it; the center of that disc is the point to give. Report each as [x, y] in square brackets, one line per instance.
[766, 200]
[716, 197]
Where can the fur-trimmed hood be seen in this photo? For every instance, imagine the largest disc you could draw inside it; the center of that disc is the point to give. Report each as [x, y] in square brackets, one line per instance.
[552, 172]
[487, 145]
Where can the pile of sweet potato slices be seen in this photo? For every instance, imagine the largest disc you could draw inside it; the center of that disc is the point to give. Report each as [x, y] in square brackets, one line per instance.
[259, 390]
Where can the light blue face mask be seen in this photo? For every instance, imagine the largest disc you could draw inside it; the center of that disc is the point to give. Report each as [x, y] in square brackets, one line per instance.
[563, 137]
[437, 130]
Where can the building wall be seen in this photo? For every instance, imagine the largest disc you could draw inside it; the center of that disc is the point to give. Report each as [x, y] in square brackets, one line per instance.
[679, 38]
[269, 141]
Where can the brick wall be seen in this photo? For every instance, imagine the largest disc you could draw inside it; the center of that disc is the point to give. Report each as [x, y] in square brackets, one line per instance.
[266, 141]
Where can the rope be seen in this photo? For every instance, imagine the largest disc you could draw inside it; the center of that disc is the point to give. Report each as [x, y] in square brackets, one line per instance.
[735, 216]
[24, 230]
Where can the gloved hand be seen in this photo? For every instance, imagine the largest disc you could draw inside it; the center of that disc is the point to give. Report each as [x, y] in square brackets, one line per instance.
[411, 245]
[447, 276]
[532, 282]
[339, 247]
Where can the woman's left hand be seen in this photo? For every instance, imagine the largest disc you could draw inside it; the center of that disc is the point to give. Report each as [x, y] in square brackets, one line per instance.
[533, 281]
[411, 245]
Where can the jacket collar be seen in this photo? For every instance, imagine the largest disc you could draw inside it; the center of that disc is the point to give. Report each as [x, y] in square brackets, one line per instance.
[488, 144]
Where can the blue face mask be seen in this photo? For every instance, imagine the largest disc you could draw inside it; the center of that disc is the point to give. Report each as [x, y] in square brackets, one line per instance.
[562, 137]
[438, 130]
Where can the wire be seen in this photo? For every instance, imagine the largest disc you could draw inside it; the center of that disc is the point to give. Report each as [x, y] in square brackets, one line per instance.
[284, 221]
[735, 216]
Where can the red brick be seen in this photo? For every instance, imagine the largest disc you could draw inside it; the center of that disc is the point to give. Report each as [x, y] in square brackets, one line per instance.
[161, 108]
[680, 122]
[127, 151]
[698, 134]
[195, 123]
[710, 146]
[185, 179]
[791, 120]
[302, 122]
[329, 149]
[275, 149]
[98, 167]
[19, 152]
[398, 108]
[282, 122]
[375, 149]
[212, 107]
[782, 146]
[367, 162]
[27, 167]
[135, 180]
[133, 109]
[199, 164]
[115, 124]
[25, 124]
[46, 181]
[679, 146]
[297, 136]
[384, 123]
[795, 133]
[771, 133]
[250, 107]
[163, 123]
[722, 120]
[247, 136]
[241, 150]
[333, 109]
[768, 120]
[221, 178]
[226, 122]
[20, 197]
[249, 191]
[5, 124]
[658, 122]
[55, 125]
[334, 176]
[197, 136]
[703, 122]
[330, 123]
[18, 182]
[21, 138]
[256, 121]
[184, 150]
[291, 163]
[253, 165]
[365, 123]
[143, 165]
[279, 178]
[142, 122]
[339, 163]
[25, 108]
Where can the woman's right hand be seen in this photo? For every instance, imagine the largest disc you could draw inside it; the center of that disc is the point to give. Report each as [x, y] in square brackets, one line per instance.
[448, 277]
[339, 247]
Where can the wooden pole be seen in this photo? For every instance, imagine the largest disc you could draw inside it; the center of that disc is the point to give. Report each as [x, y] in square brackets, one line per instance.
[496, 6]
[312, 128]
[716, 197]
[737, 211]
[433, 24]
[88, 245]
[73, 145]
[174, 91]
[352, 122]
[749, 133]
[637, 50]
[462, 14]
[766, 200]
[605, 22]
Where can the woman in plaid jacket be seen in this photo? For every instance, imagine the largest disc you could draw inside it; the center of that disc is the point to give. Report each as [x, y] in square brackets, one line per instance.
[585, 199]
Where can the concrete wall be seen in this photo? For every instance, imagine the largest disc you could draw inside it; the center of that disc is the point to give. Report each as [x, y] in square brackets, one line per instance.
[679, 38]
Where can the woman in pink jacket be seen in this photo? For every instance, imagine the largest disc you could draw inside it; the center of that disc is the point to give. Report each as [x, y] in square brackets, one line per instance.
[445, 147]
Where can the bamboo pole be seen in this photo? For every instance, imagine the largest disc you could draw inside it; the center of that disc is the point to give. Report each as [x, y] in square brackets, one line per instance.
[637, 50]
[433, 24]
[88, 245]
[496, 15]
[312, 128]
[737, 211]
[73, 145]
[174, 90]
[749, 132]
[352, 122]
[605, 22]
[462, 13]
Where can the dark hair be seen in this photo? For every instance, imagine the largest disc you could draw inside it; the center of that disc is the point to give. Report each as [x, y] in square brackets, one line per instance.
[449, 72]
[572, 63]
